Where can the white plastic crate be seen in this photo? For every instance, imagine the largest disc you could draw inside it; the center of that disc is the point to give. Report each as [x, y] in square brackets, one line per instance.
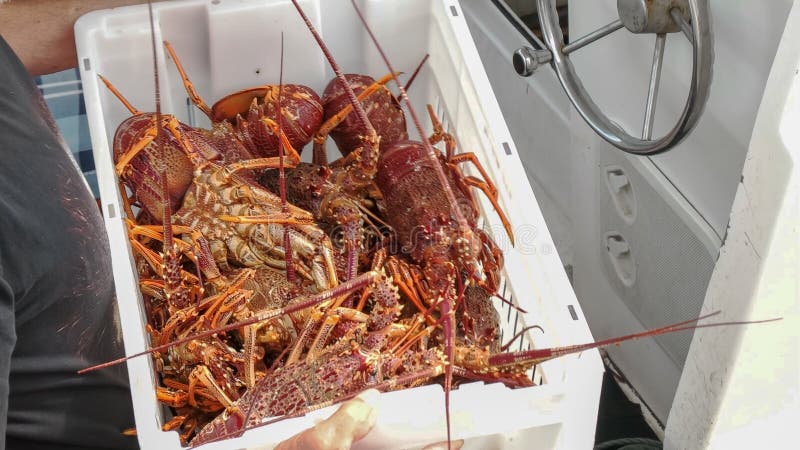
[226, 45]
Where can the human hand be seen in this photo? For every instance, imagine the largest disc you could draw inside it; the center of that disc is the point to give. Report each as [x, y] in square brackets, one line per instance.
[349, 424]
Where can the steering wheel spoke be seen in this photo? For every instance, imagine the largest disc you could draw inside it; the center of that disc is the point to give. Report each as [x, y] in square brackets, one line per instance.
[591, 37]
[652, 91]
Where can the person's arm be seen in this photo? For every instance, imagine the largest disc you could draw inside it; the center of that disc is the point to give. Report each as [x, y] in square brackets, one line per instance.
[41, 31]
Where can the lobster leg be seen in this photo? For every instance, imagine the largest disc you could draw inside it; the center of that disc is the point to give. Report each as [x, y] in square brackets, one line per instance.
[275, 218]
[154, 232]
[201, 374]
[249, 350]
[196, 99]
[491, 190]
[412, 340]
[199, 253]
[405, 281]
[322, 321]
[213, 305]
[327, 326]
[440, 135]
[127, 201]
[147, 139]
[225, 308]
[485, 184]
[487, 189]
[174, 423]
[156, 262]
[171, 397]
[285, 145]
[493, 261]
[304, 337]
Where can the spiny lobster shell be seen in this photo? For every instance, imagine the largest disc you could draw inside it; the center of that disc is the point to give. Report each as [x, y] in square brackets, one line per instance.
[215, 194]
[480, 321]
[383, 111]
[318, 190]
[287, 390]
[414, 200]
[271, 290]
[143, 174]
[304, 185]
[300, 119]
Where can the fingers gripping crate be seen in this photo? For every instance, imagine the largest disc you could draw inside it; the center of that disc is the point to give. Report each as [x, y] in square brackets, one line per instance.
[228, 45]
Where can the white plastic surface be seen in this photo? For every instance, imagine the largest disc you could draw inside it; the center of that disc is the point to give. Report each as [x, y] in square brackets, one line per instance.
[227, 45]
[740, 387]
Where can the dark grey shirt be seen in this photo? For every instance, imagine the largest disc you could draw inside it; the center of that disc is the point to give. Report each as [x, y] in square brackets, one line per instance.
[57, 307]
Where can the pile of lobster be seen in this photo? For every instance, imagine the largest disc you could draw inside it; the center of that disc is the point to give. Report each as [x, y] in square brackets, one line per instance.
[365, 271]
[273, 287]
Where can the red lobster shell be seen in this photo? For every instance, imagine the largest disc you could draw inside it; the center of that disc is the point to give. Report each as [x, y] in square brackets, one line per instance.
[414, 200]
[164, 154]
[383, 111]
[301, 116]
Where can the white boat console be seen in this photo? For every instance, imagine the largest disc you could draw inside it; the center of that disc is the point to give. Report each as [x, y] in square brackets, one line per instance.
[698, 212]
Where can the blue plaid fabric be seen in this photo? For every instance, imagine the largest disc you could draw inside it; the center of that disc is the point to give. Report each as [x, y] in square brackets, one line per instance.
[63, 94]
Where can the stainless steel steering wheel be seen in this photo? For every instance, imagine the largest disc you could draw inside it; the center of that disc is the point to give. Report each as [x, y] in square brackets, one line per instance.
[659, 17]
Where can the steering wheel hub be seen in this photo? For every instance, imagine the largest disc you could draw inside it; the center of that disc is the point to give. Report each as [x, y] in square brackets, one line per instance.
[652, 16]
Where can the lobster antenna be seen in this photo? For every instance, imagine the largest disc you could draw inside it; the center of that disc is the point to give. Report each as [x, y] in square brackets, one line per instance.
[357, 107]
[119, 96]
[168, 244]
[163, 175]
[155, 67]
[463, 226]
[164, 181]
[518, 335]
[509, 303]
[345, 288]
[416, 71]
[278, 117]
[540, 355]
[451, 198]
[290, 275]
